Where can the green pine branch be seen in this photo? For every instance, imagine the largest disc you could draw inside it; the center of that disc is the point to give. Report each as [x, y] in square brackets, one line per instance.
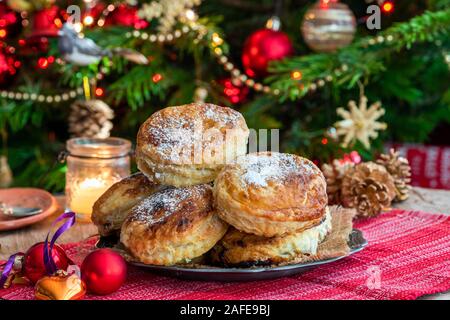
[362, 60]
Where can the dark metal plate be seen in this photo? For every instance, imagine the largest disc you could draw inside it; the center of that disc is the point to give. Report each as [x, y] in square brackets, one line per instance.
[356, 243]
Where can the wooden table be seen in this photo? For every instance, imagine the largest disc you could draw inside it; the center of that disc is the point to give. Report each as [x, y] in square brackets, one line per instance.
[427, 200]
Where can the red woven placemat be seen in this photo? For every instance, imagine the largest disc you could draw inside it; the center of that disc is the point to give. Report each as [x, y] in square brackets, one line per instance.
[408, 256]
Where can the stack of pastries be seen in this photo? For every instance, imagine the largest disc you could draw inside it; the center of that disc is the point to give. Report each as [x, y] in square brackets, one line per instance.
[230, 208]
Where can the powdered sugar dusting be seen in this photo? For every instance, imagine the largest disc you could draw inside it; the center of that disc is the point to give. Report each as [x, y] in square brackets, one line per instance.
[260, 168]
[221, 114]
[173, 137]
[159, 206]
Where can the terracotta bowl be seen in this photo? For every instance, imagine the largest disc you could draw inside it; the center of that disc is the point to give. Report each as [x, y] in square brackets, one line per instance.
[26, 197]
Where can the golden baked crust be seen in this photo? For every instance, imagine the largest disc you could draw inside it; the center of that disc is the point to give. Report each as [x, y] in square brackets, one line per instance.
[239, 249]
[173, 226]
[111, 209]
[189, 144]
[270, 193]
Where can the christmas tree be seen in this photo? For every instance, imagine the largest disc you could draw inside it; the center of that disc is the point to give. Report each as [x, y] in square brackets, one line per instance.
[334, 77]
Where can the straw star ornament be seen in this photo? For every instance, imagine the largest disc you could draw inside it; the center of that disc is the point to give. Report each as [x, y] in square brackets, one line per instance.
[360, 122]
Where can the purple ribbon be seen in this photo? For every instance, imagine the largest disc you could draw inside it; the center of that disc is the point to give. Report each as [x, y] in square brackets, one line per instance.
[7, 269]
[49, 263]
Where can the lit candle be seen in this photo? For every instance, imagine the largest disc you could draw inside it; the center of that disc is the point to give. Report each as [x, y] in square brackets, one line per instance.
[93, 165]
[85, 194]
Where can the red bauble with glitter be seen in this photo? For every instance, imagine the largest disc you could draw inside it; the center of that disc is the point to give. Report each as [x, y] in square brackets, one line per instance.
[104, 271]
[47, 22]
[352, 157]
[124, 15]
[262, 47]
[33, 263]
[234, 93]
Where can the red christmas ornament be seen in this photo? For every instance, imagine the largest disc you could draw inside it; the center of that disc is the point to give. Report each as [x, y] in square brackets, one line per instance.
[127, 16]
[47, 22]
[262, 47]
[9, 65]
[33, 265]
[103, 271]
[234, 93]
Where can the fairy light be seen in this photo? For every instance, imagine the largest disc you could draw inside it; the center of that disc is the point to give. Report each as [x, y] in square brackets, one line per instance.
[88, 20]
[78, 27]
[190, 15]
[296, 75]
[43, 63]
[216, 39]
[157, 78]
[41, 97]
[99, 92]
[58, 23]
[387, 6]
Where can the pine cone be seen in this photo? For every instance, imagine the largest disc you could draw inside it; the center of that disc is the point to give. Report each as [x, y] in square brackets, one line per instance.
[369, 188]
[400, 170]
[91, 119]
[334, 173]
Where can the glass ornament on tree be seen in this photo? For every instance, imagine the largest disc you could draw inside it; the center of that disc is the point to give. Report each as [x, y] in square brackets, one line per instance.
[46, 22]
[125, 15]
[263, 46]
[328, 25]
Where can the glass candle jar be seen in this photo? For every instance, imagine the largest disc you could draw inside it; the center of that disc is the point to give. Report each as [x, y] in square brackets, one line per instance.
[93, 165]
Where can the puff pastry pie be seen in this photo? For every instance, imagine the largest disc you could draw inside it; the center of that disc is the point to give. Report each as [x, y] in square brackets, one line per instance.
[270, 194]
[111, 209]
[173, 226]
[189, 144]
[239, 249]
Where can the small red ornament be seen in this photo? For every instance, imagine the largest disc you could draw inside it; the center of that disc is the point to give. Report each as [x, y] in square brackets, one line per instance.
[234, 93]
[33, 264]
[46, 22]
[125, 15]
[352, 157]
[103, 271]
[262, 47]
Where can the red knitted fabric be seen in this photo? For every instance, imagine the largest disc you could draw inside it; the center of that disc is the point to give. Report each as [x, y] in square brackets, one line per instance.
[408, 256]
